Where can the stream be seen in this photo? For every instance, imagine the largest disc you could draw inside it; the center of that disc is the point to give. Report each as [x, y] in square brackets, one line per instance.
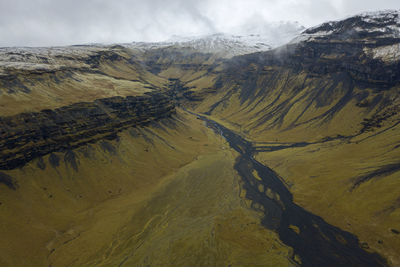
[316, 242]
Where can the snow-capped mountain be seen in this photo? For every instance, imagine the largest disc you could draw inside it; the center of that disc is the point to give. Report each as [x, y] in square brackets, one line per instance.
[223, 43]
[380, 24]
[377, 32]
[248, 39]
[244, 40]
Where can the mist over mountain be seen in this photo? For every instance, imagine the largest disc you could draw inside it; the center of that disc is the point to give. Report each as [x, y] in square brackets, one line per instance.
[244, 40]
[60, 22]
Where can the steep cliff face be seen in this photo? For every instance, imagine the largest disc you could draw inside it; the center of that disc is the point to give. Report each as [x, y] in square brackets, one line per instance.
[365, 46]
[340, 72]
[30, 135]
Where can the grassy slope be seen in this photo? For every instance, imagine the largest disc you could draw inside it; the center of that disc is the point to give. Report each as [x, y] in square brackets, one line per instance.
[279, 107]
[158, 195]
[36, 90]
[283, 107]
[323, 177]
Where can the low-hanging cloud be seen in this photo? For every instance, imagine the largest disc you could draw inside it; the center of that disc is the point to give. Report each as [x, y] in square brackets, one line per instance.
[65, 22]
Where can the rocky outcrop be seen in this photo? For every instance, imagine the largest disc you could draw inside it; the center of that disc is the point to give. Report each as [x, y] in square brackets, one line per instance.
[367, 47]
[26, 136]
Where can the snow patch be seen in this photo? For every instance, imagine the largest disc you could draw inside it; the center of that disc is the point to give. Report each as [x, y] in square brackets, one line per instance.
[242, 41]
[379, 16]
[389, 54]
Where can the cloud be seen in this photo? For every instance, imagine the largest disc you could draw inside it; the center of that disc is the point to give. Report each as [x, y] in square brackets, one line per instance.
[52, 22]
[63, 22]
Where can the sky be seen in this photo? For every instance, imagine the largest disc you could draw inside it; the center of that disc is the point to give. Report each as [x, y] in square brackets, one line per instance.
[67, 22]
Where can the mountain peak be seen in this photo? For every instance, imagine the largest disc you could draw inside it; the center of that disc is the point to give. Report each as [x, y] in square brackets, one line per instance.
[242, 40]
[377, 24]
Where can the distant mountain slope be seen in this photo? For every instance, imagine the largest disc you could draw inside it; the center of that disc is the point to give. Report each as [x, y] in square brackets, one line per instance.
[377, 32]
[379, 24]
[247, 40]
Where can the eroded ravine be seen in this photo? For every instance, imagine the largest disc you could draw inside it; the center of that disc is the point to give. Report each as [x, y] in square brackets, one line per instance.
[316, 242]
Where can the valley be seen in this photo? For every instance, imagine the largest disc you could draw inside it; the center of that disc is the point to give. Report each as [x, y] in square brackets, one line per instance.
[174, 154]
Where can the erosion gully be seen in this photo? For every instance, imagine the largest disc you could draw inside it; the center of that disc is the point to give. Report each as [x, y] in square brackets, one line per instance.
[316, 242]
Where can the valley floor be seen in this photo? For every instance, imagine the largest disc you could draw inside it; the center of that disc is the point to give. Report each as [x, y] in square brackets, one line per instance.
[352, 183]
[176, 193]
[164, 195]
